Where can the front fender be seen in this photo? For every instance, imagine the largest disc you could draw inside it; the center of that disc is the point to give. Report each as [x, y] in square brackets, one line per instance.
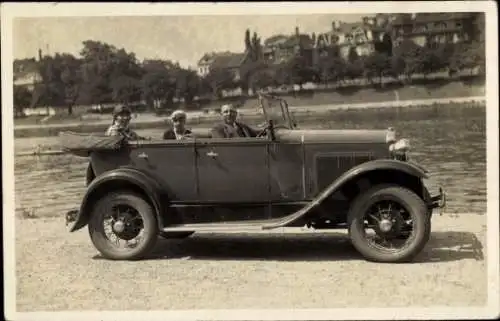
[410, 168]
[115, 179]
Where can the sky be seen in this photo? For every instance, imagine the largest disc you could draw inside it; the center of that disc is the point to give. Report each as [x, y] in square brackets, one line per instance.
[179, 38]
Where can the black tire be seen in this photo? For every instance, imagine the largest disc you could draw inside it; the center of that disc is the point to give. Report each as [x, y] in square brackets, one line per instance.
[406, 198]
[175, 235]
[149, 222]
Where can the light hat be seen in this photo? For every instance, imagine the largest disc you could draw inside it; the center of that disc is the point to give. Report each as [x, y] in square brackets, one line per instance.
[178, 114]
[121, 109]
[227, 107]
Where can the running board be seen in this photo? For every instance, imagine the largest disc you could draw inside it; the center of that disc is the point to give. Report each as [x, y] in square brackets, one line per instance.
[251, 225]
[219, 227]
[236, 226]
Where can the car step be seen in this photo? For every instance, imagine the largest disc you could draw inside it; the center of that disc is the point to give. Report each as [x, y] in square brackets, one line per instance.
[221, 227]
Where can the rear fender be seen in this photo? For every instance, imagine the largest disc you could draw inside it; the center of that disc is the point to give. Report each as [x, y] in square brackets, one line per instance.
[121, 178]
[407, 168]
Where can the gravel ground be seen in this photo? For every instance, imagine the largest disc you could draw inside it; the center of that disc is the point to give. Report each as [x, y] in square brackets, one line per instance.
[57, 271]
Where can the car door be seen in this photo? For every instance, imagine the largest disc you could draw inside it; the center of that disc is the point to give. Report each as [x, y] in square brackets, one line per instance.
[233, 170]
[172, 162]
[287, 171]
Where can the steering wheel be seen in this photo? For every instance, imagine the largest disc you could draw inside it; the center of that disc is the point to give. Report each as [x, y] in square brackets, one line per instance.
[264, 131]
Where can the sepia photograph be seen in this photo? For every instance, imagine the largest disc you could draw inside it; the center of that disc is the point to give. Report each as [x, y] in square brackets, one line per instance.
[255, 161]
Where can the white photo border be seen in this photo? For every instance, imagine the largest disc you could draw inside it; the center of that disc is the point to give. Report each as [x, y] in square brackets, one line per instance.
[12, 10]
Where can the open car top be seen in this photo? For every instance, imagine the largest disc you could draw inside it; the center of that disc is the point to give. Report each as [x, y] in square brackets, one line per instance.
[82, 144]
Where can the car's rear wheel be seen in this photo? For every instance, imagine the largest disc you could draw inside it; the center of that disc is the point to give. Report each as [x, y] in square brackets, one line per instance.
[123, 226]
[398, 219]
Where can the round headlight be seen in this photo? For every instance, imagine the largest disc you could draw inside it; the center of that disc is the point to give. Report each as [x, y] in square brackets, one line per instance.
[401, 145]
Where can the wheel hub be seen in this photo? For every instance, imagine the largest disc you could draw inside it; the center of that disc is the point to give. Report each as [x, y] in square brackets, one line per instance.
[118, 227]
[388, 222]
[385, 225]
[126, 226]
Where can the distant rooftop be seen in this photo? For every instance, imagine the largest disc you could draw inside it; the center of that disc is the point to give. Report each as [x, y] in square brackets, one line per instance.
[224, 59]
[231, 60]
[25, 67]
[430, 17]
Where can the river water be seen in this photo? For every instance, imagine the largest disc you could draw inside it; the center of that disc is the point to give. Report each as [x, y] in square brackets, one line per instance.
[451, 145]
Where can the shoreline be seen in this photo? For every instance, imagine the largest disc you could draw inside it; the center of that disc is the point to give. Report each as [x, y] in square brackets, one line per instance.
[150, 121]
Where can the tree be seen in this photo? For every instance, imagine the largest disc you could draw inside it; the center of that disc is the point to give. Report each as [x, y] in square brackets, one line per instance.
[376, 65]
[256, 47]
[354, 67]
[248, 43]
[282, 75]
[219, 79]
[443, 53]
[188, 85]
[467, 56]
[71, 78]
[299, 71]
[61, 80]
[407, 59]
[398, 66]
[108, 73]
[262, 78]
[385, 45]
[248, 71]
[429, 62]
[330, 66]
[158, 83]
[125, 89]
[22, 99]
[253, 48]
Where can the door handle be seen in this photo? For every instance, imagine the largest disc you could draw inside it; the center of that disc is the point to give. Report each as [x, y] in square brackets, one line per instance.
[212, 154]
[143, 155]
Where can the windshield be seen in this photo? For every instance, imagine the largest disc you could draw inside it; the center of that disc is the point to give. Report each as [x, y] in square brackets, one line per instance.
[276, 109]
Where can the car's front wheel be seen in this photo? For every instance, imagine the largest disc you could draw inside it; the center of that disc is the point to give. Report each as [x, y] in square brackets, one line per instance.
[389, 224]
[123, 226]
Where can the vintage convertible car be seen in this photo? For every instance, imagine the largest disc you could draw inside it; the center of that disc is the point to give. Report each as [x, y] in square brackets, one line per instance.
[359, 180]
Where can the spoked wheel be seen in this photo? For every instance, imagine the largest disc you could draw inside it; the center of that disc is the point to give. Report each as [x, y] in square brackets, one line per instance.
[123, 226]
[389, 224]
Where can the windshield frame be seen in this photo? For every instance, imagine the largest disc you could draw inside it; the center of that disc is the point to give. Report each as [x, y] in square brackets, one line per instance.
[285, 117]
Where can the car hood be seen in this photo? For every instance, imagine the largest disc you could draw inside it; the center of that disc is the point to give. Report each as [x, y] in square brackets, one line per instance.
[331, 135]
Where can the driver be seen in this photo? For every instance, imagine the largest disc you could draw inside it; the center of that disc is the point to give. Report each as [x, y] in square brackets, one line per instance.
[120, 126]
[229, 127]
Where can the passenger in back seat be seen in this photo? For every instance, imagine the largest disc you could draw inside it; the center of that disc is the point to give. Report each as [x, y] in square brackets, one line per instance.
[120, 125]
[179, 130]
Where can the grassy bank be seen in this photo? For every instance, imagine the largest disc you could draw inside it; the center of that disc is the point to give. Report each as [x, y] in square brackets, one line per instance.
[354, 115]
[391, 92]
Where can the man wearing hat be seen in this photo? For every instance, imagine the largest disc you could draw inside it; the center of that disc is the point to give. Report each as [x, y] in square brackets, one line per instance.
[230, 127]
[179, 130]
[120, 126]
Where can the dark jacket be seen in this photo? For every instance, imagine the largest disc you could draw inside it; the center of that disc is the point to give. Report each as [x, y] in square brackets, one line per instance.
[170, 134]
[224, 130]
